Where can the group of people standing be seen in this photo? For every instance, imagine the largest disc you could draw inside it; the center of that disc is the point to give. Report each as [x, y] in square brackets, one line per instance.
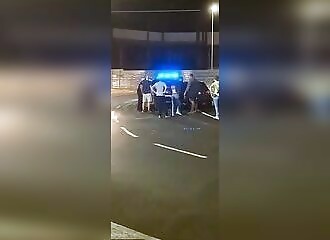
[147, 88]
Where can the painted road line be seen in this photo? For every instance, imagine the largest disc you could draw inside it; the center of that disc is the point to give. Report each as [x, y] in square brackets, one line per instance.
[131, 101]
[209, 115]
[114, 116]
[143, 118]
[128, 132]
[121, 232]
[179, 150]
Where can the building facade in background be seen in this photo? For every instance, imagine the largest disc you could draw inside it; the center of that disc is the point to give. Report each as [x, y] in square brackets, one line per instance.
[132, 49]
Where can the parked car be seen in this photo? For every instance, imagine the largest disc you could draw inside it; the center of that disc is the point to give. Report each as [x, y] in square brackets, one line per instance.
[204, 99]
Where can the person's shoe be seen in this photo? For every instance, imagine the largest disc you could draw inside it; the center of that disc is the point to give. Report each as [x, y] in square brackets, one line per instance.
[217, 118]
[159, 116]
[178, 113]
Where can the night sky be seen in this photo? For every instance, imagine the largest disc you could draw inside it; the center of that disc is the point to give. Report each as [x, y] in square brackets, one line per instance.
[159, 4]
[164, 21]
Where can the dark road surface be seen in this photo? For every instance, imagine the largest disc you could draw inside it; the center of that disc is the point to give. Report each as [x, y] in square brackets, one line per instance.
[164, 173]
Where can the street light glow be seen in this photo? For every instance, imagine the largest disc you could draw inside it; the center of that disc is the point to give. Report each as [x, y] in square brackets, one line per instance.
[214, 8]
[316, 10]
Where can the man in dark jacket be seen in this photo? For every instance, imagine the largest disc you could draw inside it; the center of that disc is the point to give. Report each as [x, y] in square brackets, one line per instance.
[139, 94]
[191, 93]
[146, 93]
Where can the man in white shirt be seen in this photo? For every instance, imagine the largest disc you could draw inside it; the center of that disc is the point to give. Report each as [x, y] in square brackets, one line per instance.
[159, 89]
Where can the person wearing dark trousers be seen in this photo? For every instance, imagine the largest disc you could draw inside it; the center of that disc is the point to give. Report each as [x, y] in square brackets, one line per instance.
[161, 103]
[191, 93]
[159, 89]
[139, 94]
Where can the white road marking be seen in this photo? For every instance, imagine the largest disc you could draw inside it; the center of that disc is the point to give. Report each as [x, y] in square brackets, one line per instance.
[131, 101]
[114, 116]
[209, 115]
[128, 132]
[179, 150]
[143, 118]
[122, 232]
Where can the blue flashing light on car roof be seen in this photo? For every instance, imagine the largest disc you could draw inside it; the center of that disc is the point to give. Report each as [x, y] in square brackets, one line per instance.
[168, 76]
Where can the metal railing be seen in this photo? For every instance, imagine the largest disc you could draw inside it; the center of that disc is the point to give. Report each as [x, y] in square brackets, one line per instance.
[129, 79]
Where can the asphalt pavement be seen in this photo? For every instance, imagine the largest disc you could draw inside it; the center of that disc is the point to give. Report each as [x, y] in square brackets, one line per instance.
[164, 173]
